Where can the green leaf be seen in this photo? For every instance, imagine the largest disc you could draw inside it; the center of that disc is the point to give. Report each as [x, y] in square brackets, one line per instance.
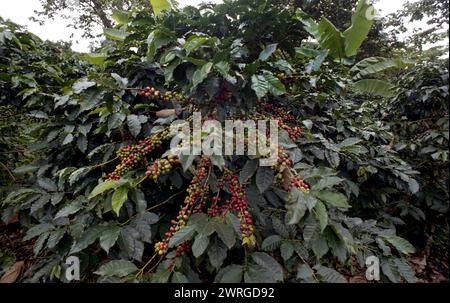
[118, 199]
[138, 197]
[37, 230]
[402, 245]
[109, 237]
[201, 74]
[95, 58]
[162, 275]
[134, 125]
[248, 170]
[405, 270]
[131, 244]
[200, 244]
[39, 244]
[264, 178]
[226, 233]
[390, 270]
[376, 65]
[331, 39]
[260, 85]
[47, 184]
[82, 85]
[78, 174]
[184, 234]
[276, 88]
[271, 243]
[104, 186]
[329, 275]
[374, 87]
[217, 252]
[319, 246]
[272, 268]
[69, 209]
[268, 51]
[305, 272]
[158, 38]
[82, 143]
[287, 250]
[160, 5]
[88, 238]
[115, 34]
[117, 268]
[54, 238]
[230, 274]
[178, 277]
[349, 142]
[121, 17]
[321, 214]
[327, 183]
[315, 64]
[335, 199]
[223, 68]
[194, 42]
[296, 206]
[358, 31]
[68, 139]
[310, 25]
[142, 224]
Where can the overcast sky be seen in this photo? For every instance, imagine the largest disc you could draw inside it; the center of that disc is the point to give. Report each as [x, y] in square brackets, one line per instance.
[20, 11]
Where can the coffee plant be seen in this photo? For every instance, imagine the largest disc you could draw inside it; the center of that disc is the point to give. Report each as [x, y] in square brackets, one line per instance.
[358, 156]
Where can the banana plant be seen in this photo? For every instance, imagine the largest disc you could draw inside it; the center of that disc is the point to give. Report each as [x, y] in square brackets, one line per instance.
[341, 46]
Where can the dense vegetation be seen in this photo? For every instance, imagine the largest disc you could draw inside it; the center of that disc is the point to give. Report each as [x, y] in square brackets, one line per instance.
[362, 168]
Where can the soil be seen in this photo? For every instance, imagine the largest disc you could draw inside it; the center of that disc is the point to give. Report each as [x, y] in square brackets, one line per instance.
[11, 242]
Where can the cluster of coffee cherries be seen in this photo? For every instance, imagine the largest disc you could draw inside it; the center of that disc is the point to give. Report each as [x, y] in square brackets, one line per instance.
[150, 92]
[215, 210]
[283, 161]
[223, 95]
[197, 192]
[155, 94]
[298, 182]
[278, 112]
[294, 132]
[161, 167]
[183, 248]
[239, 203]
[286, 79]
[131, 155]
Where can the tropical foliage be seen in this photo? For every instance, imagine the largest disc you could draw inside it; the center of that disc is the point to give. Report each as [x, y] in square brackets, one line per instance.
[90, 176]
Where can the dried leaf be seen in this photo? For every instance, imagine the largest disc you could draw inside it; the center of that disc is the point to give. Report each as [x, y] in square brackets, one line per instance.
[13, 273]
[165, 113]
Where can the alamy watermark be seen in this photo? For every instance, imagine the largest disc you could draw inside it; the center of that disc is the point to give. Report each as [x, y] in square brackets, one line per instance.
[373, 268]
[73, 269]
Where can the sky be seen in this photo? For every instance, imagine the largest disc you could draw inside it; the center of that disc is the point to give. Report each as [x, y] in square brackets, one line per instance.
[19, 11]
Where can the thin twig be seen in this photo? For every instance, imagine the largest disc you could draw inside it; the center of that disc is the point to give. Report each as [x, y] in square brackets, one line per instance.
[153, 207]
[9, 172]
[141, 271]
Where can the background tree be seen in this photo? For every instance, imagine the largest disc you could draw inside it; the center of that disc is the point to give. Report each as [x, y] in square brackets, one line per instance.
[86, 14]
[436, 15]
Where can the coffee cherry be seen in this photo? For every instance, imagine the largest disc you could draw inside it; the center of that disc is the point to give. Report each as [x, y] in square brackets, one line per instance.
[169, 96]
[161, 167]
[132, 155]
[297, 182]
[193, 203]
[239, 203]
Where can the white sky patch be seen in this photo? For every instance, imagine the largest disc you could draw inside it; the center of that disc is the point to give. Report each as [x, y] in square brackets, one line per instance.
[19, 11]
